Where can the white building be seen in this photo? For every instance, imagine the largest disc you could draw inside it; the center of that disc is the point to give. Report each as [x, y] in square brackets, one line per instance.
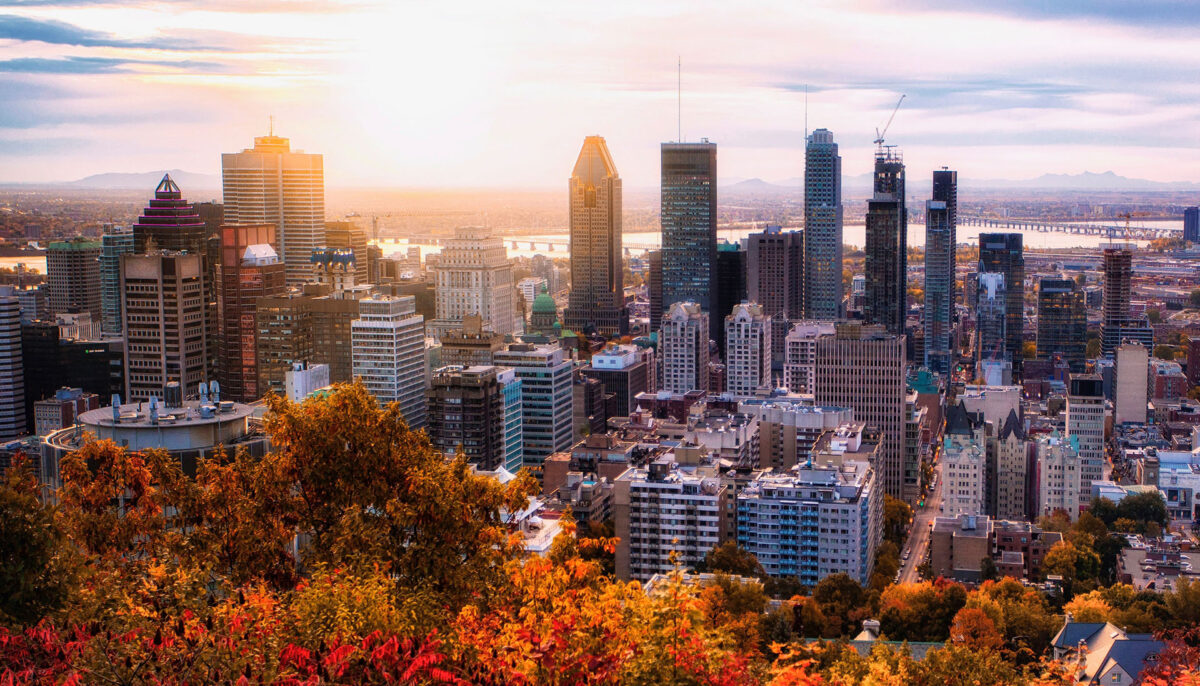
[747, 350]
[547, 403]
[1130, 396]
[964, 463]
[273, 184]
[800, 355]
[12, 371]
[303, 379]
[1058, 474]
[683, 348]
[529, 287]
[1085, 422]
[472, 276]
[387, 344]
[788, 428]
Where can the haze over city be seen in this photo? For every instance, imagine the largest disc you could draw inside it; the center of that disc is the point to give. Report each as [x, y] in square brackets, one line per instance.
[498, 94]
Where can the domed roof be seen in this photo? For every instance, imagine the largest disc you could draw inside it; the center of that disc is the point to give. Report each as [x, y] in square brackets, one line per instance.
[544, 304]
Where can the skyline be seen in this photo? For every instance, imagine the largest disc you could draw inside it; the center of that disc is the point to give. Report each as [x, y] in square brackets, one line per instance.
[1009, 94]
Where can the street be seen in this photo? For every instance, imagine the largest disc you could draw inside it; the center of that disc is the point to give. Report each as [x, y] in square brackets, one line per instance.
[918, 536]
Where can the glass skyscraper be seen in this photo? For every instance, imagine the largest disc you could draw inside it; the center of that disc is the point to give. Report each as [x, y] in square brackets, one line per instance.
[116, 241]
[1005, 253]
[597, 300]
[939, 284]
[1062, 322]
[689, 226]
[886, 263]
[945, 189]
[822, 227]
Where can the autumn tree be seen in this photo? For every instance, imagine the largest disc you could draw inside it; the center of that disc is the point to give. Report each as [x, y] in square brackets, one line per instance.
[974, 629]
[921, 611]
[897, 517]
[36, 565]
[843, 602]
[729, 558]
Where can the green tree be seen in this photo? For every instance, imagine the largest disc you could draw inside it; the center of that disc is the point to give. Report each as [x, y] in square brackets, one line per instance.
[1154, 316]
[35, 561]
[1164, 352]
[897, 517]
[1194, 298]
[1093, 348]
[987, 569]
[727, 557]
[1148, 507]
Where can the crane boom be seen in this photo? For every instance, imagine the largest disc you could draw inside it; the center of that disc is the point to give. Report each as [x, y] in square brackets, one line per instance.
[880, 134]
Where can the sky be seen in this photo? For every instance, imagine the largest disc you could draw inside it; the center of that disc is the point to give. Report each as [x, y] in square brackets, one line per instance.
[501, 94]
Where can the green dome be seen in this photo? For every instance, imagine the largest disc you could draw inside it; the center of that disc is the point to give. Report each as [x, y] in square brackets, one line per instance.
[544, 304]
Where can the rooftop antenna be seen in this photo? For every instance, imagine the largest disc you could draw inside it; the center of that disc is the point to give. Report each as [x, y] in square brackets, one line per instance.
[679, 99]
[271, 130]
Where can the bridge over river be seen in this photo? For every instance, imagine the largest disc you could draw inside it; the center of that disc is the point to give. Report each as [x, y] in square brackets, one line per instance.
[1117, 230]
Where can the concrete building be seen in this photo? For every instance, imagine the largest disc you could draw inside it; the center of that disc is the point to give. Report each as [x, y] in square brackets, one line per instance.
[788, 428]
[683, 348]
[597, 299]
[59, 412]
[964, 463]
[529, 287]
[689, 228]
[800, 356]
[116, 241]
[1085, 423]
[1008, 453]
[388, 348]
[1130, 394]
[468, 413]
[624, 371]
[73, 274]
[12, 371]
[886, 264]
[823, 227]
[994, 403]
[863, 368]
[991, 319]
[167, 330]
[748, 349]
[1119, 324]
[813, 521]
[348, 236]
[775, 272]
[547, 405]
[473, 276]
[273, 184]
[35, 301]
[304, 379]
[1058, 474]
[471, 345]
[249, 269]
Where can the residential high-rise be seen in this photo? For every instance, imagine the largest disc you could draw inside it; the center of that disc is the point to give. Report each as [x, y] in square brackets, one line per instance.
[1005, 253]
[116, 241]
[731, 283]
[683, 348]
[167, 330]
[597, 299]
[467, 415]
[472, 275]
[939, 287]
[1131, 384]
[1191, 224]
[748, 349]
[964, 463]
[1008, 454]
[284, 338]
[886, 264]
[800, 355]
[73, 272]
[789, 427]
[388, 348]
[822, 227]
[249, 270]
[1119, 325]
[945, 189]
[689, 227]
[1058, 479]
[12, 370]
[348, 236]
[470, 346]
[273, 184]
[547, 406]
[775, 280]
[991, 318]
[1062, 322]
[1085, 424]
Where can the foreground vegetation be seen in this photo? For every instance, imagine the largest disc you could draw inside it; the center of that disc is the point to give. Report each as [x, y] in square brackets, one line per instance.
[406, 574]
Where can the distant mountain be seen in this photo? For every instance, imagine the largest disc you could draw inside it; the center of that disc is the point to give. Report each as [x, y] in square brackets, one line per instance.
[1087, 181]
[148, 180]
[758, 187]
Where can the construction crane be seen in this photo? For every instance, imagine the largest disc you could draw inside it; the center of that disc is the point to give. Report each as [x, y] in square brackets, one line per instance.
[1127, 217]
[880, 134]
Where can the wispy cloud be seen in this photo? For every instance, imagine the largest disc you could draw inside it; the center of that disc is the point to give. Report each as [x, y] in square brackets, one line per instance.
[101, 65]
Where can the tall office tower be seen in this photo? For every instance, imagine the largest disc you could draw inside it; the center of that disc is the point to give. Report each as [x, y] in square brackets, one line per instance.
[731, 283]
[388, 348]
[12, 369]
[886, 264]
[348, 236]
[284, 337]
[1008, 452]
[748, 346]
[862, 367]
[939, 287]
[467, 414]
[991, 318]
[272, 184]
[1004, 253]
[547, 405]
[1191, 224]
[822, 227]
[73, 272]
[472, 275]
[654, 286]
[689, 227]
[1062, 322]
[800, 355]
[683, 348]
[166, 326]
[1058, 475]
[249, 269]
[775, 280]
[1131, 384]
[625, 372]
[1085, 423]
[116, 241]
[597, 300]
[945, 189]
[1119, 324]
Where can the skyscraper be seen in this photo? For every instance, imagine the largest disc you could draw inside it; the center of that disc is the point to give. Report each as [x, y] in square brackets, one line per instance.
[939, 287]
[945, 189]
[748, 346]
[249, 270]
[822, 227]
[597, 299]
[1085, 423]
[388, 349]
[467, 414]
[473, 276]
[683, 348]
[272, 184]
[689, 227]
[1062, 322]
[886, 264]
[12, 371]
[1191, 224]
[1005, 253]
[73, 272]
[547, 405]
[731, 283]
[1119, 324]
[116, 241]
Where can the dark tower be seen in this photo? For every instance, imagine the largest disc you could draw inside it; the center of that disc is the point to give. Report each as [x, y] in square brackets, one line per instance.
[886, 263]
[689, 227]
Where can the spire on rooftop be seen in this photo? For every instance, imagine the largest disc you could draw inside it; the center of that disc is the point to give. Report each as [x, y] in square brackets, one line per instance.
[167, 186]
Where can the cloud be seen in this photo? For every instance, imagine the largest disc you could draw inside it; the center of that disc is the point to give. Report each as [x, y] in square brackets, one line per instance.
[239, 6]
[100, 65]
[61, 33]
[1147, 13]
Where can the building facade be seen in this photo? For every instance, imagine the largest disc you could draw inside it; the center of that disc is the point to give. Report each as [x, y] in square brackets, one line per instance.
[547, 405]
[939, 287]
[388, 350]
[689, 226]
[1062, 322]
[597, 299]
[683, 348]
[467, 415]
[73, 274]
[473, 276]
[116, 241]
[822, 227]
[249, 270]
[748, 350]
[12, 368]
[1004, 253]
[886, 264]
[1119, 324]
[1085, 426]
[1058, 475]
[800, 355]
